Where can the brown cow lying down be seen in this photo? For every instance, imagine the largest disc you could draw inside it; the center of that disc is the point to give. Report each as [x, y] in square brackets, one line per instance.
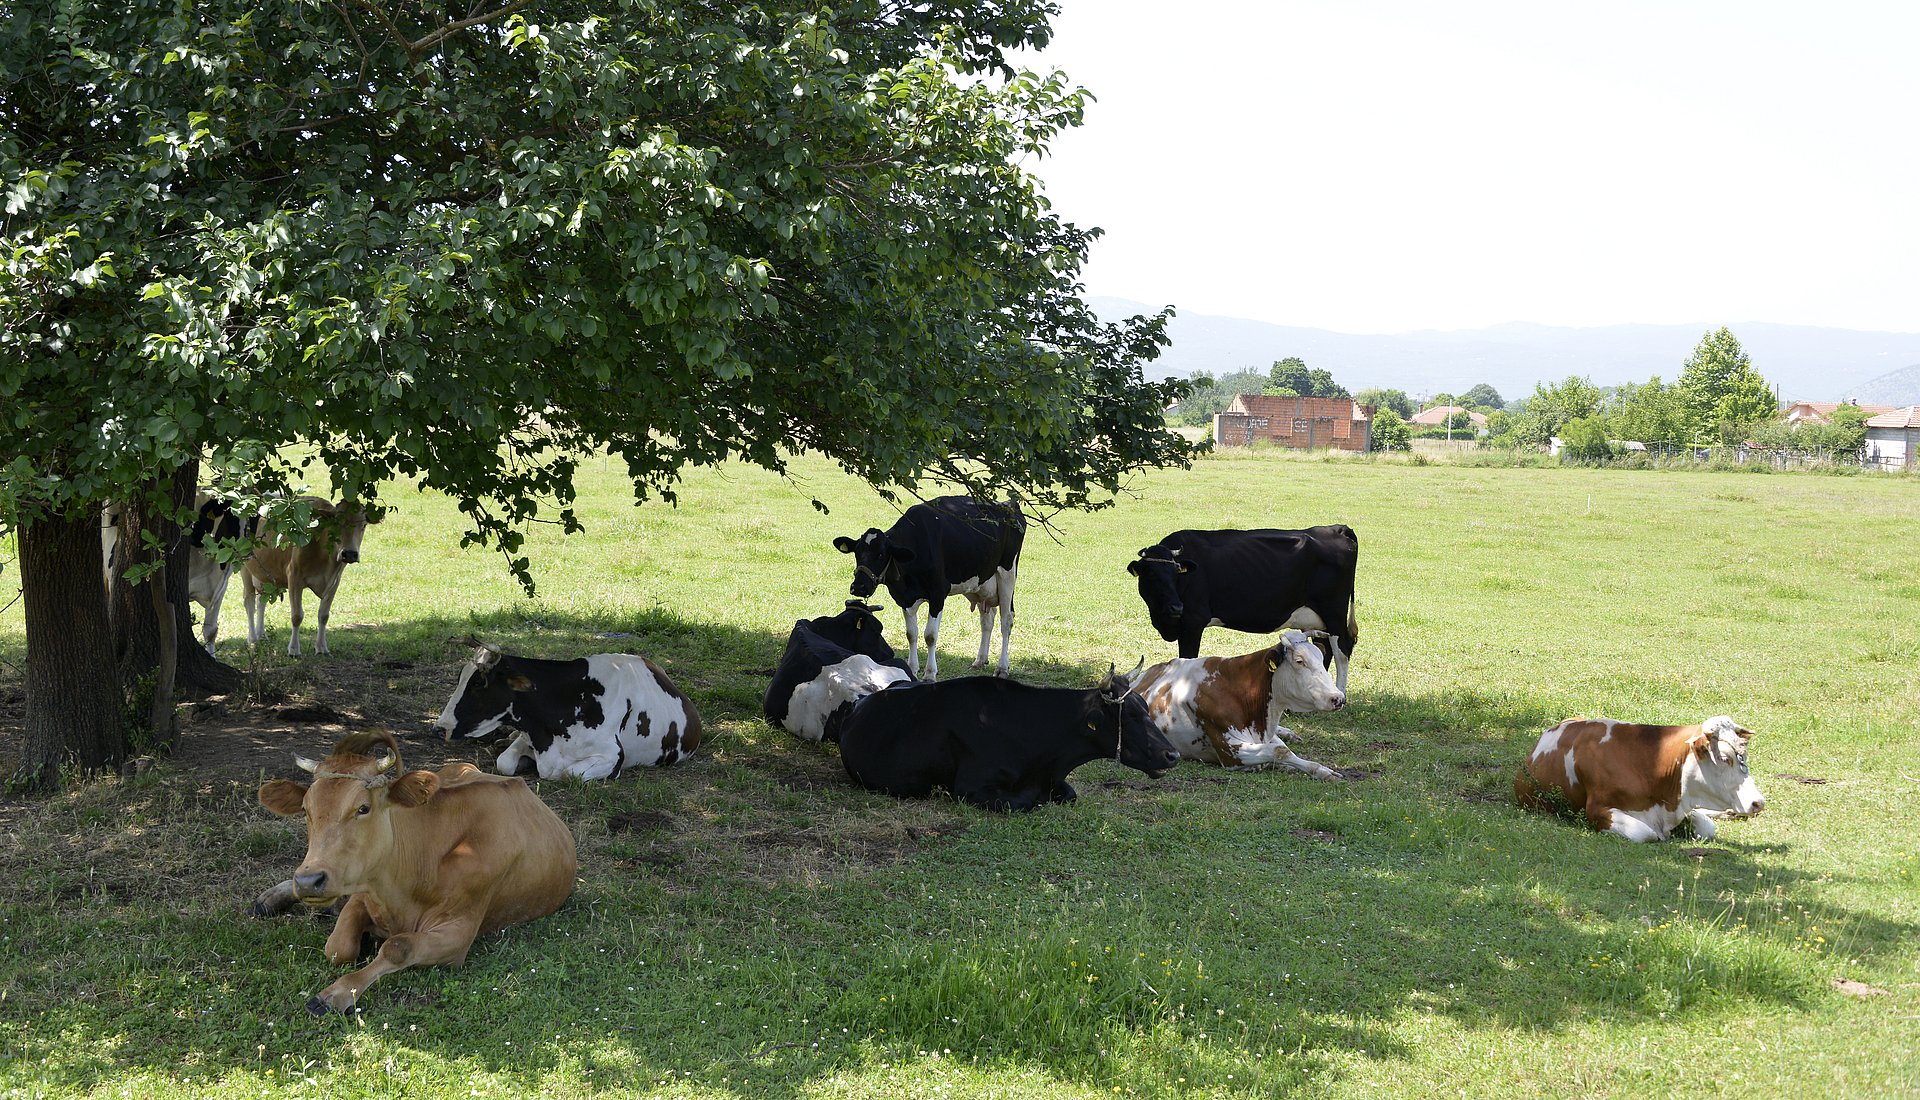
[426, 860]
[1641, 782]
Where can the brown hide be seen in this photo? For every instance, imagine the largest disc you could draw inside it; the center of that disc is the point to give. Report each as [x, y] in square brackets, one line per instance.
[1234, 695]
[1638, 767]
[435, 860]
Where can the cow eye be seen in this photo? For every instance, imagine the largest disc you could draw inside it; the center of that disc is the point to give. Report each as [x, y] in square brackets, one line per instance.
[365, 809]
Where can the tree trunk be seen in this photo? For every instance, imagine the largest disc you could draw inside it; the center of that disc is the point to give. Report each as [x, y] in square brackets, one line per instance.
[73, 696]
[136, 615]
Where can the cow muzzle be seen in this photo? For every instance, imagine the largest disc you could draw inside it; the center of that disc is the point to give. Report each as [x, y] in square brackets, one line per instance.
[311, 887]
[348, 557]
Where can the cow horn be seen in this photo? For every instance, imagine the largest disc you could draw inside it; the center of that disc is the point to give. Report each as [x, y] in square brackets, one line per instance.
[1316, 634]
[305, 764]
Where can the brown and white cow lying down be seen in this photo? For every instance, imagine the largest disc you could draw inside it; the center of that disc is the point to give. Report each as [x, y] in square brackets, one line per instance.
[427, 860]
[314, 566]
[1227, 710]
[1641, 782]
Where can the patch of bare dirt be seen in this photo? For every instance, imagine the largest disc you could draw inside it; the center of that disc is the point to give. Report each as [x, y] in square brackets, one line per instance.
[1809, 780]
[1320, 835]
[1858, 989]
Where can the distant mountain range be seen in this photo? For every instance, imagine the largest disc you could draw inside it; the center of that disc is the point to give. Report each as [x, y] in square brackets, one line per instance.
[1807, 364]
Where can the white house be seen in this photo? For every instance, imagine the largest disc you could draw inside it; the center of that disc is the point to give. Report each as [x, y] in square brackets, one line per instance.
[1893, 440]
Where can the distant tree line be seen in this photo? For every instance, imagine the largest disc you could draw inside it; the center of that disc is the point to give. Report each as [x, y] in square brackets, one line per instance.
[1719, 398]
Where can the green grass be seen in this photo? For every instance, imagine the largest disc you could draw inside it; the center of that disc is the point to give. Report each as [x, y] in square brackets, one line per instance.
[748, 925]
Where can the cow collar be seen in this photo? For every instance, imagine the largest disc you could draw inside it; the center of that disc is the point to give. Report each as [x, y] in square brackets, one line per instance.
[1160, 561]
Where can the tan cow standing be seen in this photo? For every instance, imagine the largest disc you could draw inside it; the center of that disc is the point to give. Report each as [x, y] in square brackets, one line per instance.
[1640, 782]
[314, 567]
[428, 861]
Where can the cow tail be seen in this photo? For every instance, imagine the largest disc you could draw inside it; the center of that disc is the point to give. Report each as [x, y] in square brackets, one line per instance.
[1353, 590]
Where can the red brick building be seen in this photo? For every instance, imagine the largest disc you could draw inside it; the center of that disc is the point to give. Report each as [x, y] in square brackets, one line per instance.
[1303, 423]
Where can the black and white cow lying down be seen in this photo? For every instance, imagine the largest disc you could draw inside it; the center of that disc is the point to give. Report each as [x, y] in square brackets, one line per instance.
[590, 717]
[943, 547]
[995, 743]
[830, 664]
[1257, 581]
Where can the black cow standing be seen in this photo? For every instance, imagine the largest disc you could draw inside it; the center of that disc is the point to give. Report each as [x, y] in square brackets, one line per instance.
[944, 546]
[1257, 581]
[998, 744]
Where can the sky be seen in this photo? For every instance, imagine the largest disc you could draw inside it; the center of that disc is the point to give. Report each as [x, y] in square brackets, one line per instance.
[1385, 166]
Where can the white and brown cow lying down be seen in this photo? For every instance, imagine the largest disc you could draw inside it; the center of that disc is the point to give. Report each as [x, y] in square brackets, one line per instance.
[1227, 710]
[1641, 782]
[590, 717]
[427, 861]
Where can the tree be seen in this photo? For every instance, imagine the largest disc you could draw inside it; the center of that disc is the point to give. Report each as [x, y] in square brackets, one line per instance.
[464, 251]
[1722, 392]
[1551, 406]
[1584, 439]
[1482, 395]
[1396, 400]
[1390, 432]
[1648, 413]
[1291, 377]
[1205, 402]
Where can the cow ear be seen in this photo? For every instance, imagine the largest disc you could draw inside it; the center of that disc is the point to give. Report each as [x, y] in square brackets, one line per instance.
[843, 544]
[1134, 567]
[518, 682]
[899, 553]
[283, 796]
[413, 789]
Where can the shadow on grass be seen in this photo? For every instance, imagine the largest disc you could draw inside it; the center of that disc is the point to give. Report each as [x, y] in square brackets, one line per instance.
[751, 923]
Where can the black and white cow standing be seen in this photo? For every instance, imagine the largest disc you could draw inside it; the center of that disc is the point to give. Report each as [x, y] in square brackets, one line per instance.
[207, 576]
[589, 717]
[830, 664]
[942, 547]
[1258, 581]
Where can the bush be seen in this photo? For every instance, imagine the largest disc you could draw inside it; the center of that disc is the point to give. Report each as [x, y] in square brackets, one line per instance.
[1584, 439]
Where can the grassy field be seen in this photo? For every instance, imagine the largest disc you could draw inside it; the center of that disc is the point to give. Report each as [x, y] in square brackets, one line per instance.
[748, 925]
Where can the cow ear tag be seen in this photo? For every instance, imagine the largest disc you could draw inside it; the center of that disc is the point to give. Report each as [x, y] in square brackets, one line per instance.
[1186, 567]
[1273, 663]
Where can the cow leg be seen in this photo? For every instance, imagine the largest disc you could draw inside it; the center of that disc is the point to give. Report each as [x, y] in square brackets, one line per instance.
[986, 635]
[1302, 764]
[1623, 824]
[1703, 826]
[210, 622]
[255, 607]
[933, 637]
[326, 606]
[517, 750]
[349, 932]
[1340, 659]
[276, 899]
[295, 614]
[1062, 792]
[912, 613]
[443, 945]
[1006, 617]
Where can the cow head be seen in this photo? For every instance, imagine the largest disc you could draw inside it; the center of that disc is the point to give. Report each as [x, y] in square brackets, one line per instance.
[349, 808]
[862, 629]
[873, 555]
[1114, 716]
[350, 522]
[484, 697]
[1300, 677]
[1159, 569]
[1718, 779]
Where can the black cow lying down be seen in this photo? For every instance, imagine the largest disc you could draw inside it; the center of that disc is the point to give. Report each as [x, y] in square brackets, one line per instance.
[831, 663]
[995, 743]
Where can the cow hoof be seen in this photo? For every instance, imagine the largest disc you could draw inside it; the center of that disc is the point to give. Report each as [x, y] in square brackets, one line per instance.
[316, 1006]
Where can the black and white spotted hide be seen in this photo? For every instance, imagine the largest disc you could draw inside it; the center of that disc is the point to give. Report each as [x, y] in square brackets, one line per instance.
[591, 717]
[831, 663]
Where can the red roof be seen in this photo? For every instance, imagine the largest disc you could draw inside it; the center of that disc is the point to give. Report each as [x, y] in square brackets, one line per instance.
[1908, 417]
[1439, 414]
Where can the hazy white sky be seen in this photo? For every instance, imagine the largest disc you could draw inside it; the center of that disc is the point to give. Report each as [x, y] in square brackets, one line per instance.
[1388, 165]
